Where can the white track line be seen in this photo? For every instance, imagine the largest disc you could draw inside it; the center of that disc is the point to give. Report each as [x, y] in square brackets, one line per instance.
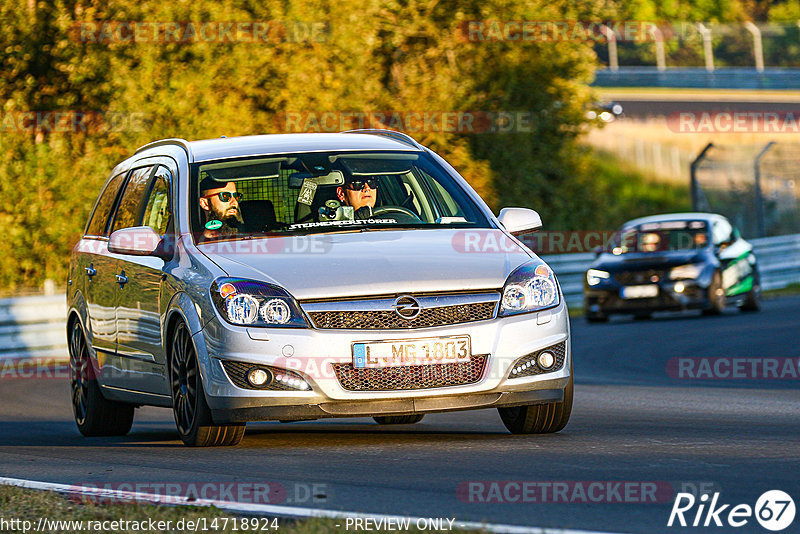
[267, 509]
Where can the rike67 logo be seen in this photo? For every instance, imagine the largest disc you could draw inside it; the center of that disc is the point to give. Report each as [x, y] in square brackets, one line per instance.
[774, 510]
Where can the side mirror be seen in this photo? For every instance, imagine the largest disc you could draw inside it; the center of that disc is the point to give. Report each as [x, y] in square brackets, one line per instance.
[519, 219]
[136, 241]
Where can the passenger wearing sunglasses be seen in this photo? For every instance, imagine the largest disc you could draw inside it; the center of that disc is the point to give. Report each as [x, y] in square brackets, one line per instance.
[220, 204]
[359, 192]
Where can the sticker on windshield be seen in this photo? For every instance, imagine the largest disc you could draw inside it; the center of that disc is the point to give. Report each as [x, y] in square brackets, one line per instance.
[307, 192]
[357, 222]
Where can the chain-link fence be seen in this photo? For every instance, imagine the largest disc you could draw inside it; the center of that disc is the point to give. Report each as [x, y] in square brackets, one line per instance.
[756, 187]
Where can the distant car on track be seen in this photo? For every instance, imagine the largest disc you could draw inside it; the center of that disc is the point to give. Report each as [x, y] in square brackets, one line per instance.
[304, 276]
[675, 261]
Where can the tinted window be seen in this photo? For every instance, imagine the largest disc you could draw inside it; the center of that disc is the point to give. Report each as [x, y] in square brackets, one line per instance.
[157, 213]
[102, 210]
[129, 210]
[661, 236]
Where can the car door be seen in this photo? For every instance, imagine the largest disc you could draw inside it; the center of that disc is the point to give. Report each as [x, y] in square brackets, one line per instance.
[122, 369]
[138, 309]
[94, 275]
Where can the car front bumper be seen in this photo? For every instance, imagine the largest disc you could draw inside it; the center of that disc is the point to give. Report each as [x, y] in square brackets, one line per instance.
[608, 300]
[311, 353]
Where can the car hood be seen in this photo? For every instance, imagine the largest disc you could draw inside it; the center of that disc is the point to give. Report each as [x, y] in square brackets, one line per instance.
[638, 261]
[370, 263]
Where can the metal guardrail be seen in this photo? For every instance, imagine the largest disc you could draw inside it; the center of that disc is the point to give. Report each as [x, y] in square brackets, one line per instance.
[699, 77]
[778, 260]
[33, 327]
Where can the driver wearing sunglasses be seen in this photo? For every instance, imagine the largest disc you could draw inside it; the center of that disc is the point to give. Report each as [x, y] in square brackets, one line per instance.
[359, 192]
[220, 204]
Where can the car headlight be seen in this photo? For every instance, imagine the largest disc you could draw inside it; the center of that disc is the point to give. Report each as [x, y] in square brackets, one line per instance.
[691, 270]
[251, 303]
[594, 277]
[531, 287]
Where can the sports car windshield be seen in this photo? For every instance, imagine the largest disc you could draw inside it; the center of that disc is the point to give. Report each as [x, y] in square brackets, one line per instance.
[326, 192]
[661, 237]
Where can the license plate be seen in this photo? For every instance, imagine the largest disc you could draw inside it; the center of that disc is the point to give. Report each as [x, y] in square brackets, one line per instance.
[640, 292]
[431, 351]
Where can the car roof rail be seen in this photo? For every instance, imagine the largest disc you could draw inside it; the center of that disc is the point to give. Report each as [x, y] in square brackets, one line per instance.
[394, 134]
[183, 143]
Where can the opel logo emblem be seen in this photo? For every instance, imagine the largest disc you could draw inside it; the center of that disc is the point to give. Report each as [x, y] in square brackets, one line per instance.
[407, 307]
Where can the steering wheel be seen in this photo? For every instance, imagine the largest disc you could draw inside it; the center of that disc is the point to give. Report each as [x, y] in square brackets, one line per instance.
[397, 209]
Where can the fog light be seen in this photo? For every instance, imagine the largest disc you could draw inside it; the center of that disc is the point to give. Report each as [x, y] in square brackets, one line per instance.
[679, 287]
[258, 377]
[546, 360]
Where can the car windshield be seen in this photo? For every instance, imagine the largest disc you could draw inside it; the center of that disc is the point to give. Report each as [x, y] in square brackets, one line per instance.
[660, 237]
[326, 192]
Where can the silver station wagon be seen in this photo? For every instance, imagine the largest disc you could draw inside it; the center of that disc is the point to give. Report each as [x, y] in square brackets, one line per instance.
[304, 276]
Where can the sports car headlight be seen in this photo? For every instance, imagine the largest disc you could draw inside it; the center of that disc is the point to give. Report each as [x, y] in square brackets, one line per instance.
[690, 270]
[251, 303]
[531, 287]
[594, 277]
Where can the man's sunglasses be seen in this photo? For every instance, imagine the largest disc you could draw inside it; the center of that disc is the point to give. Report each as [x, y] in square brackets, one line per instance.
[358, 185]
[225, 196]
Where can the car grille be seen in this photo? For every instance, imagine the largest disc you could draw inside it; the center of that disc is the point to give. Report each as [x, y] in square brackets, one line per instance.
[559, 351]
[389, 320]
[412, 376]
[640, 277]
[237, 372]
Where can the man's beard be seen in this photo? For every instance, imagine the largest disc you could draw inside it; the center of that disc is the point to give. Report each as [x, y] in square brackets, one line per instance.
[230, 223]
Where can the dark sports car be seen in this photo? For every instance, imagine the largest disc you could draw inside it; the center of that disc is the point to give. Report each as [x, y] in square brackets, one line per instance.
[675, 261]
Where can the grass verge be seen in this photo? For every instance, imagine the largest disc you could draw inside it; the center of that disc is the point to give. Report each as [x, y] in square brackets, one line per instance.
[791, 289]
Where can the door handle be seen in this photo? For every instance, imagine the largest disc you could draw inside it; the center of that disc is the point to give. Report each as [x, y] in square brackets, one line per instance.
[122, 279]
[90, 271]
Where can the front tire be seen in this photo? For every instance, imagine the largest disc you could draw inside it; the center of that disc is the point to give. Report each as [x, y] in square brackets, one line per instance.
[596, 317]
[716, 296]
[752, 301]
[540, 418]
[94, 414]
[398, 419]
[189, 406]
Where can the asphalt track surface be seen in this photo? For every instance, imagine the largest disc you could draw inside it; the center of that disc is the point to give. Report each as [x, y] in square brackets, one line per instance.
[632, 422]
[637, 108]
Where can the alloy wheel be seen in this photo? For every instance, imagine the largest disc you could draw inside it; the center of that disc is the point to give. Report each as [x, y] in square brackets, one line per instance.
[183, 378]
